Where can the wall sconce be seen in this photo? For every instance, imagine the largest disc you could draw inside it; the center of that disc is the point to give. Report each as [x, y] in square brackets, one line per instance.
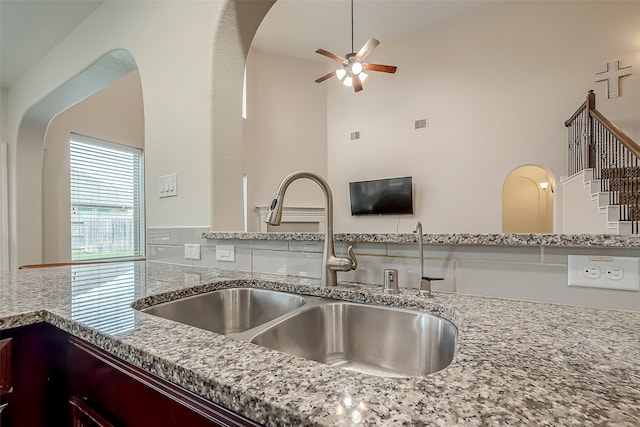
[545, 186]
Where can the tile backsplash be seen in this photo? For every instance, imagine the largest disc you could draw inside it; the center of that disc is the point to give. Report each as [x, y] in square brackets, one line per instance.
[537, 273]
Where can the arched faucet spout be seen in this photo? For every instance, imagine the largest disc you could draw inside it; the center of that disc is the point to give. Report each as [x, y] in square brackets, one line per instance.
[330, 263]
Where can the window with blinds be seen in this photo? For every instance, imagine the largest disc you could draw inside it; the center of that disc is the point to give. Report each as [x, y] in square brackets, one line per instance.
[107, 200]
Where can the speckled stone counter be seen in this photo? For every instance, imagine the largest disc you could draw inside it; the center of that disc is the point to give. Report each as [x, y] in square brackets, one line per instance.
[555, 240]
[517, 363]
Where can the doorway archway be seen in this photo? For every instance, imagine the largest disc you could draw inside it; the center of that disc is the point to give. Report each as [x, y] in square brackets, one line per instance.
[27, 243]
[528, 201]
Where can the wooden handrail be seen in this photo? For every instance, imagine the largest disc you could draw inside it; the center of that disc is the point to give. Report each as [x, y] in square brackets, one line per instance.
[615, 131]
[590, 105]
[580, 109]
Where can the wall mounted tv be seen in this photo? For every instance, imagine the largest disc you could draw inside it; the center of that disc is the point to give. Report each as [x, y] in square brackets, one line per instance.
[391, 196]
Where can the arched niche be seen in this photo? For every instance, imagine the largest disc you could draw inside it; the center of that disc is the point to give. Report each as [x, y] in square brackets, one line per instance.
[528, 201]
[27, 245]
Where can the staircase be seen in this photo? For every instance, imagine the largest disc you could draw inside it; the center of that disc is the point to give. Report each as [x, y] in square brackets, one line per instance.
[586, 208]
[606, 163]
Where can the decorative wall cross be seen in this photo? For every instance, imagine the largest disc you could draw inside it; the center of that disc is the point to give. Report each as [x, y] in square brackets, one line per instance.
[612, 76]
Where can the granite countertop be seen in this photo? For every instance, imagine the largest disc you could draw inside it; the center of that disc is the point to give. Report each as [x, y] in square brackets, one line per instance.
[493, 239]
[517, 363]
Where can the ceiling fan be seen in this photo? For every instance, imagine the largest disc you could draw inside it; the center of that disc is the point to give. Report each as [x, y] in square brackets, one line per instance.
[353, 65]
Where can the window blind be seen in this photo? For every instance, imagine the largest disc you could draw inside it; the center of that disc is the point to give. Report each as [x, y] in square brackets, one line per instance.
[101, 295]
[107, 199]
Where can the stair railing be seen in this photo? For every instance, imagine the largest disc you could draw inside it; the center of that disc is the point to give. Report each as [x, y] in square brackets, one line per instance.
[598, 144]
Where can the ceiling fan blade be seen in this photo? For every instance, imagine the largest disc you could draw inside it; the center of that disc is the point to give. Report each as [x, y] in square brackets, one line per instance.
[357, 83]
[366, 49]
[331, 55]
[379, 67]
[325, 77]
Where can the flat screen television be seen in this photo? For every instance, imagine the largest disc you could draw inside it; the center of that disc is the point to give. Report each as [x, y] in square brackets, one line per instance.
[391, 196]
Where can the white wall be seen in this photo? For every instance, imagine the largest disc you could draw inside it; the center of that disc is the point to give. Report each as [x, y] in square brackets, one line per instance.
[114, 114]
[285, 130]
[4, 207]
[171, 42]
[4, 185]
[4, 96]
[496, 87]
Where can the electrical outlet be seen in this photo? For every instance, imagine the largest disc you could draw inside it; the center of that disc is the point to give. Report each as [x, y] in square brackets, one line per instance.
[604, 272]
[192, 251]
[592, 272]
[615, 273]
[225, 253]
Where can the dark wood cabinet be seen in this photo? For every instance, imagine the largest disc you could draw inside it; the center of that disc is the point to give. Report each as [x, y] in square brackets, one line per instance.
[83, 415]
[6, 366]
[6, 372]
[33, 386]
[56, 380]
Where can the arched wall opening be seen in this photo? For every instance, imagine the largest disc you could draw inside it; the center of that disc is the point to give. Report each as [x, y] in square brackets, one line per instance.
[528, 200]
[115, 115]
[236, 29]
[27, 243]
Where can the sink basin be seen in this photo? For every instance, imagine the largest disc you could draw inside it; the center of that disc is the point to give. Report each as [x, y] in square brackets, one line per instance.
[228, 311]
[375, 340]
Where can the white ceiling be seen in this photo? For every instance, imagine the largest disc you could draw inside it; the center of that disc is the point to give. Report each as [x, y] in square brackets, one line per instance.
[297, 28]
[31, 28]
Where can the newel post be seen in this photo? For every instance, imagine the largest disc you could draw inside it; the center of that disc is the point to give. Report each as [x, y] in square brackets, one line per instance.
[591, 147]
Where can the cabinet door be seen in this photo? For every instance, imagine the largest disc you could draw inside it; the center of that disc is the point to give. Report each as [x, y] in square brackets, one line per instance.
[32, 391]
[82, 415]
[6, 376]
[6, 366]
[130, 396]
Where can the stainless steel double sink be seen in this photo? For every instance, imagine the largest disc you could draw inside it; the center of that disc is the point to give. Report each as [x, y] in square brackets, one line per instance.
[377, 340]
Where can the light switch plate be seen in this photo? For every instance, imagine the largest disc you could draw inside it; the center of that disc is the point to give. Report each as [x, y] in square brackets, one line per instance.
[604, 272]
[225, 253]
[168, 185]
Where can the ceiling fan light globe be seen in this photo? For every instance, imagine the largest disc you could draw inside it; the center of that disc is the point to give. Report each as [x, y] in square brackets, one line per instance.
[348, 81]
[340, 73]
[356, 67]
[363, 77]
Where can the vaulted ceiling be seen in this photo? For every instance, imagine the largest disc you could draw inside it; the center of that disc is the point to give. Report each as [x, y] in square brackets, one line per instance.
[29, 29]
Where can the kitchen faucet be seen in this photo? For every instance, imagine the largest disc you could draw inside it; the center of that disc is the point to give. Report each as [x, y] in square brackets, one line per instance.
[330, 263]
[424, 287]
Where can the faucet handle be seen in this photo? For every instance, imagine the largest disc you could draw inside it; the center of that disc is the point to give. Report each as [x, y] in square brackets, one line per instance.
[352, 258]
[425, 286]
[344, 263]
